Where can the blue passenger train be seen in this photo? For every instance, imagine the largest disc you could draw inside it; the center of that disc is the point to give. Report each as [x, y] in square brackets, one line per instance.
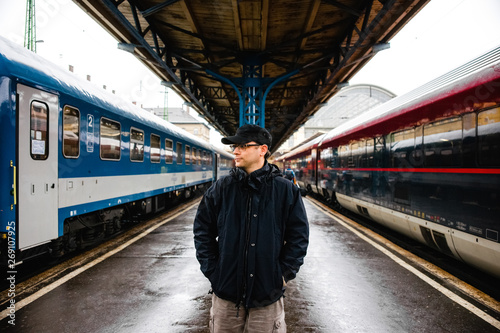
[426, 164]
[77, 161]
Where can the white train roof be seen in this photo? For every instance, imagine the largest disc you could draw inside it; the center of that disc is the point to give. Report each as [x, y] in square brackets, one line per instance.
[29, 67]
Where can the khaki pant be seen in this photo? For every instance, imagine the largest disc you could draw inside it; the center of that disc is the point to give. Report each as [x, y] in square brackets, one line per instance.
[267, 319]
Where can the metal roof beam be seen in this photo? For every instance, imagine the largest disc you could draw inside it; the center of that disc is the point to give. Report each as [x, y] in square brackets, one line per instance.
[309, 107]
[162, 64]
[157, 8]
[136, 17]
[313, 11]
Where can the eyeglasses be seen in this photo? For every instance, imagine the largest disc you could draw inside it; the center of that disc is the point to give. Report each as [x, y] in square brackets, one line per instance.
[244, 146]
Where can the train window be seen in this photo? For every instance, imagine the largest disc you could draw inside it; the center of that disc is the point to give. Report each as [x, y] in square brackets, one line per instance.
[417, 156]
[356, 154]
[442, 143]
[179, 153]
[488, 133]
[369, 153]
[169, 151]
[188, 155]
[39, 122]
[326, 157]
[344, 154]
[204, 158]
[469, 146]
[379, 151]
[110, 139]
[71, 132]
[402, 145]
[335, 162]
[136, 145]
[198, 157]
[360, 158]
[155, 150]
[194, 156]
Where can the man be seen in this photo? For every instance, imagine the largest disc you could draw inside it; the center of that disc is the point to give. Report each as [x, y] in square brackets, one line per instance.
[290, 175]
[251, 235]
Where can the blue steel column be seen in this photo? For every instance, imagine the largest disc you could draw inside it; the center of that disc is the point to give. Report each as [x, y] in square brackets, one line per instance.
[252, 100]
[253, 109]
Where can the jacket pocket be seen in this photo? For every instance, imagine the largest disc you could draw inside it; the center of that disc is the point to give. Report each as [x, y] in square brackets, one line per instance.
[214, 277]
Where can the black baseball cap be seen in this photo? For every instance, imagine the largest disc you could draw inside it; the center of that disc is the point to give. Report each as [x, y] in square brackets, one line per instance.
[248, 133]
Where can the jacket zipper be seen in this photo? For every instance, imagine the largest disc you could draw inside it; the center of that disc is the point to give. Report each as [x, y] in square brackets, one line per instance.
[247, 242]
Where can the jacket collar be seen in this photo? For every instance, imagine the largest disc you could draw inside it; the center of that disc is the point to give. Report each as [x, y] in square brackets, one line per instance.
[256, 178]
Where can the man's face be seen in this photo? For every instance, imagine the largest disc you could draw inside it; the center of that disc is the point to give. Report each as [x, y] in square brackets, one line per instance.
[249, 156]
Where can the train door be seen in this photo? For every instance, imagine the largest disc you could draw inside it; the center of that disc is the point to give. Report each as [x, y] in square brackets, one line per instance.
[37, 166]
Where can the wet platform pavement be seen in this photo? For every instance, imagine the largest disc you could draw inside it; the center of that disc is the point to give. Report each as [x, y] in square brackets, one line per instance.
[155, 285]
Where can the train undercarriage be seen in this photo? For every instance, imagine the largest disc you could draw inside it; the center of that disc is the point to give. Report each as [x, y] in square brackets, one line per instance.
[83, 231]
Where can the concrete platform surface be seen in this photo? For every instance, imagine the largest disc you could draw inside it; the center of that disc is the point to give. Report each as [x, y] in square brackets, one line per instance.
[155, 285]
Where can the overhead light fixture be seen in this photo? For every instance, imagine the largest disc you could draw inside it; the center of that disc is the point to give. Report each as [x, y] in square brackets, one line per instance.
[322, 104]
[188, 104]
[380, 47]
[130, 48]
[341, 85]
[168, 84]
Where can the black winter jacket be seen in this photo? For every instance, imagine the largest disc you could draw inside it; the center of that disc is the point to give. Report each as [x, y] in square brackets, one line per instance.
[250, 232]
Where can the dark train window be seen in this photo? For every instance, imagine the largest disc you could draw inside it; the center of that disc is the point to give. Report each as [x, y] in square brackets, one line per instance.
[195, 156]
[39, 123]
[178, 149]
[169, 151]
[198, 157]
[344, 154]
[71, 132]
[110, 139]
[155, 150]
[402, 145]
[204, 158]
[325, 157]
[358, 152]
[417, 156]
[442, 143]
[136, 145]
[188, 155]
[370, 149]
[469, 140]
[488, 134]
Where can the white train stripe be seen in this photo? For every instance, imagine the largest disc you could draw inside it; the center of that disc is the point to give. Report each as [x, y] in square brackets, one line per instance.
[77, 191]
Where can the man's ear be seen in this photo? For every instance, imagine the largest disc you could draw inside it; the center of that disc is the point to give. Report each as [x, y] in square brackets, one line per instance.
[263, 151]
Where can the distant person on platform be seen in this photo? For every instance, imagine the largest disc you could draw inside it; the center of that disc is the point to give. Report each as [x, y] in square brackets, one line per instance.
[251, 235]
[290, 175]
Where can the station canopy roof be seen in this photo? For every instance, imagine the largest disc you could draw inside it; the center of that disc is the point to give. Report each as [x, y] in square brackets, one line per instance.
[312, 45]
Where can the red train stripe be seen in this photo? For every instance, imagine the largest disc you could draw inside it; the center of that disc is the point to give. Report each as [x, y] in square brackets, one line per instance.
[424, 170]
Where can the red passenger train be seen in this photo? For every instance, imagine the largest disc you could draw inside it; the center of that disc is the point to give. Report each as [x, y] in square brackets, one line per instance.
[426, 164]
